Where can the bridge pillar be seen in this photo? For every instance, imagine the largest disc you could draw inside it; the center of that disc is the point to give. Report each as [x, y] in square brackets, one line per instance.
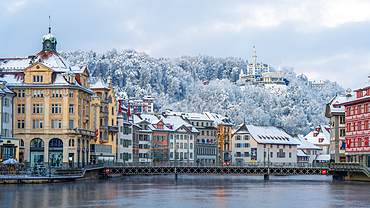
[266, 177]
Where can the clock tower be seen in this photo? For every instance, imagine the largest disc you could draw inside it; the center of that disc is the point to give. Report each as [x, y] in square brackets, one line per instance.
[49, 42]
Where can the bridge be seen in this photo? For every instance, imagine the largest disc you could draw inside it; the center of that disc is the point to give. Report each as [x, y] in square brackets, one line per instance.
[250, 169]
[340, 171]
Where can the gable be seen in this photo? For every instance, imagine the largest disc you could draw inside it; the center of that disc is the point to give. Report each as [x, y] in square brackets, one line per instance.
[38, 73]
[37, 67]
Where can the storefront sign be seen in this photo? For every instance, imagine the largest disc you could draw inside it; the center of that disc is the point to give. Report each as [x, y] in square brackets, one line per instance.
[254, 154]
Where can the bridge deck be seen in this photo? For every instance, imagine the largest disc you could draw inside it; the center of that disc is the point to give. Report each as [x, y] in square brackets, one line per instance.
[218, 170]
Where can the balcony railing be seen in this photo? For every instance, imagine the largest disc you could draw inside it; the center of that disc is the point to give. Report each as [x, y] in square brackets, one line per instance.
[84, 132]
[113, 128]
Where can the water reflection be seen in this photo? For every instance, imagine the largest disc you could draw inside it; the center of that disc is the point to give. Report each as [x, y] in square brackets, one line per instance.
[190, 191]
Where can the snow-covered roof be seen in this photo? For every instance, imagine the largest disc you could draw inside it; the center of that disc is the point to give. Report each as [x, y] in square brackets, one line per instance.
[197, 117]
[151, 118]
[14, 64]
[269, 134]
[322, 137]
[304, 144]
[300, 153]
[218, 119]
[177, 122]
[333, 103]
[99, 84]
[323, 157]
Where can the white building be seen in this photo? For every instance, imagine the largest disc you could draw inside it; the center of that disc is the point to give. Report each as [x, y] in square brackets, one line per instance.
[144, 141]
[182, 140]
[306, 149]
[320, 137]
[262, 144]
[124, 143]
[9, 146]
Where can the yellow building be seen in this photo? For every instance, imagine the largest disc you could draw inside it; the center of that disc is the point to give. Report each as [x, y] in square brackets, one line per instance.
[104, 121]
[51, 109]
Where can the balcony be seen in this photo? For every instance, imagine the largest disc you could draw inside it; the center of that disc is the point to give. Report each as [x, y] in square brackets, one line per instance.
[84, 132]
[113, 128]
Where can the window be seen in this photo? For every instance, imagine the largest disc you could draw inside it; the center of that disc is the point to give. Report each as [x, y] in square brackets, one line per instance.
[56, 93]
[238, 138]
[38, 93]
[56, 124]
[112, 111]
[37, 124]
[20, 124]
[38, 108]
[6, 102]
[246, 145]
[71, 95]
[238, 145]
[38, 78]
[342, 132]
[21, 93]
[342, 120]
[71, 124]
[70, 108]
[6, 118]
[21, 108]
[246, 154]
[271, 154]
[246, 137]
[238, 154]
[56, 108]
[290, 155]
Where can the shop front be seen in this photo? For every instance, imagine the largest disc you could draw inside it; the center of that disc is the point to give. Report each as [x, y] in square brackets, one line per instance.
[36, 152]
[56, 153]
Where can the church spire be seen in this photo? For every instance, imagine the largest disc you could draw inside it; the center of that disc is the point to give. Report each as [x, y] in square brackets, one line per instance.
[49, 25]
[254, 56]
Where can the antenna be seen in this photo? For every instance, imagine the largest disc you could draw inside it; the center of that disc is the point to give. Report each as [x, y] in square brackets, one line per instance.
[49, 24]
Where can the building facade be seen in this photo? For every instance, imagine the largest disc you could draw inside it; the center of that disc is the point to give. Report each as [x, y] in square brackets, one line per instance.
[50, 115]
[357, 116]
[263, 144]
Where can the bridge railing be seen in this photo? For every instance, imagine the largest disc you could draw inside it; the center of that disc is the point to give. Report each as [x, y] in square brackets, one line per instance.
[195, 164]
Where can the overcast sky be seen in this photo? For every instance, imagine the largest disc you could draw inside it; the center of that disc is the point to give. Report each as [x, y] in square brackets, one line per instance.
[322, 39]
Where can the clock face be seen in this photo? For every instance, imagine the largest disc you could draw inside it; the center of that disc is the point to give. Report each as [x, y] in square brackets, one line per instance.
[47, 43]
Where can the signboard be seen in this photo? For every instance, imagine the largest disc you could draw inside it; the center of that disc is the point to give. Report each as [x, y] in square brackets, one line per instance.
[254, 154]
[96, 132]
[107, 170]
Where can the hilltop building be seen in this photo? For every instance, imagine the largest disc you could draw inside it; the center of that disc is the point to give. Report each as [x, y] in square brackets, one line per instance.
[260, 73]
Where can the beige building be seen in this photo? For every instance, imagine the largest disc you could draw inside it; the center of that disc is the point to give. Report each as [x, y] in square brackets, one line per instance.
[51, 108]
[104, 121]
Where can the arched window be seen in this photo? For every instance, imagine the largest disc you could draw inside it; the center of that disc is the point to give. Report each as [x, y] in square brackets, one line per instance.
[55, 143]
[79, 143]
[37, 142]
[171, 155]
[181, 146]
[70, 142]
[73, 142]
[191, 145]
[87, 144]
[22, 142]
[185, 145]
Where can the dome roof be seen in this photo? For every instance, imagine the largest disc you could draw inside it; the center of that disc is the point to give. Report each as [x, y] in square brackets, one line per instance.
[49, 36]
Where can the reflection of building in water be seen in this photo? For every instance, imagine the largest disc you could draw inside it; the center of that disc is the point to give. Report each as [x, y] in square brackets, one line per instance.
[261, 73]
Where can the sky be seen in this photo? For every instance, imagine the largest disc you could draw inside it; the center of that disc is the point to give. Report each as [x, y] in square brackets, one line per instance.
[321, 39]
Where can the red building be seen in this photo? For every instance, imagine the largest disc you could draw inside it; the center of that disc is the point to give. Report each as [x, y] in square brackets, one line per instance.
[357, 131]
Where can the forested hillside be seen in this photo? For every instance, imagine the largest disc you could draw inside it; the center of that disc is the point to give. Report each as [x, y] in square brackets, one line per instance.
[178, 84]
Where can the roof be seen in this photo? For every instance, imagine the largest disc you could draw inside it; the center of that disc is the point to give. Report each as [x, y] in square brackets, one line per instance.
[304, 144]
[14, 64]
[333, 107]
[219, 119]
[151, 118]
[300, 153]
[197, 117]
[177, 122]
[268, 134]
[323, 157]
[99, 84]
[322, 137]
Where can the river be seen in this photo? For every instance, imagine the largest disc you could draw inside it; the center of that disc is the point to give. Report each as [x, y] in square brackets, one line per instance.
[190, 191]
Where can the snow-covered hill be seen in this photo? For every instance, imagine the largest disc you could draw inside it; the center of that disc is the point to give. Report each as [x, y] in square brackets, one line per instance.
[178, 84]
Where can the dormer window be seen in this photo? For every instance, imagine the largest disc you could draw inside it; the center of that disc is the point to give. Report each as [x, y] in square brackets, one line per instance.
[38, 78]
